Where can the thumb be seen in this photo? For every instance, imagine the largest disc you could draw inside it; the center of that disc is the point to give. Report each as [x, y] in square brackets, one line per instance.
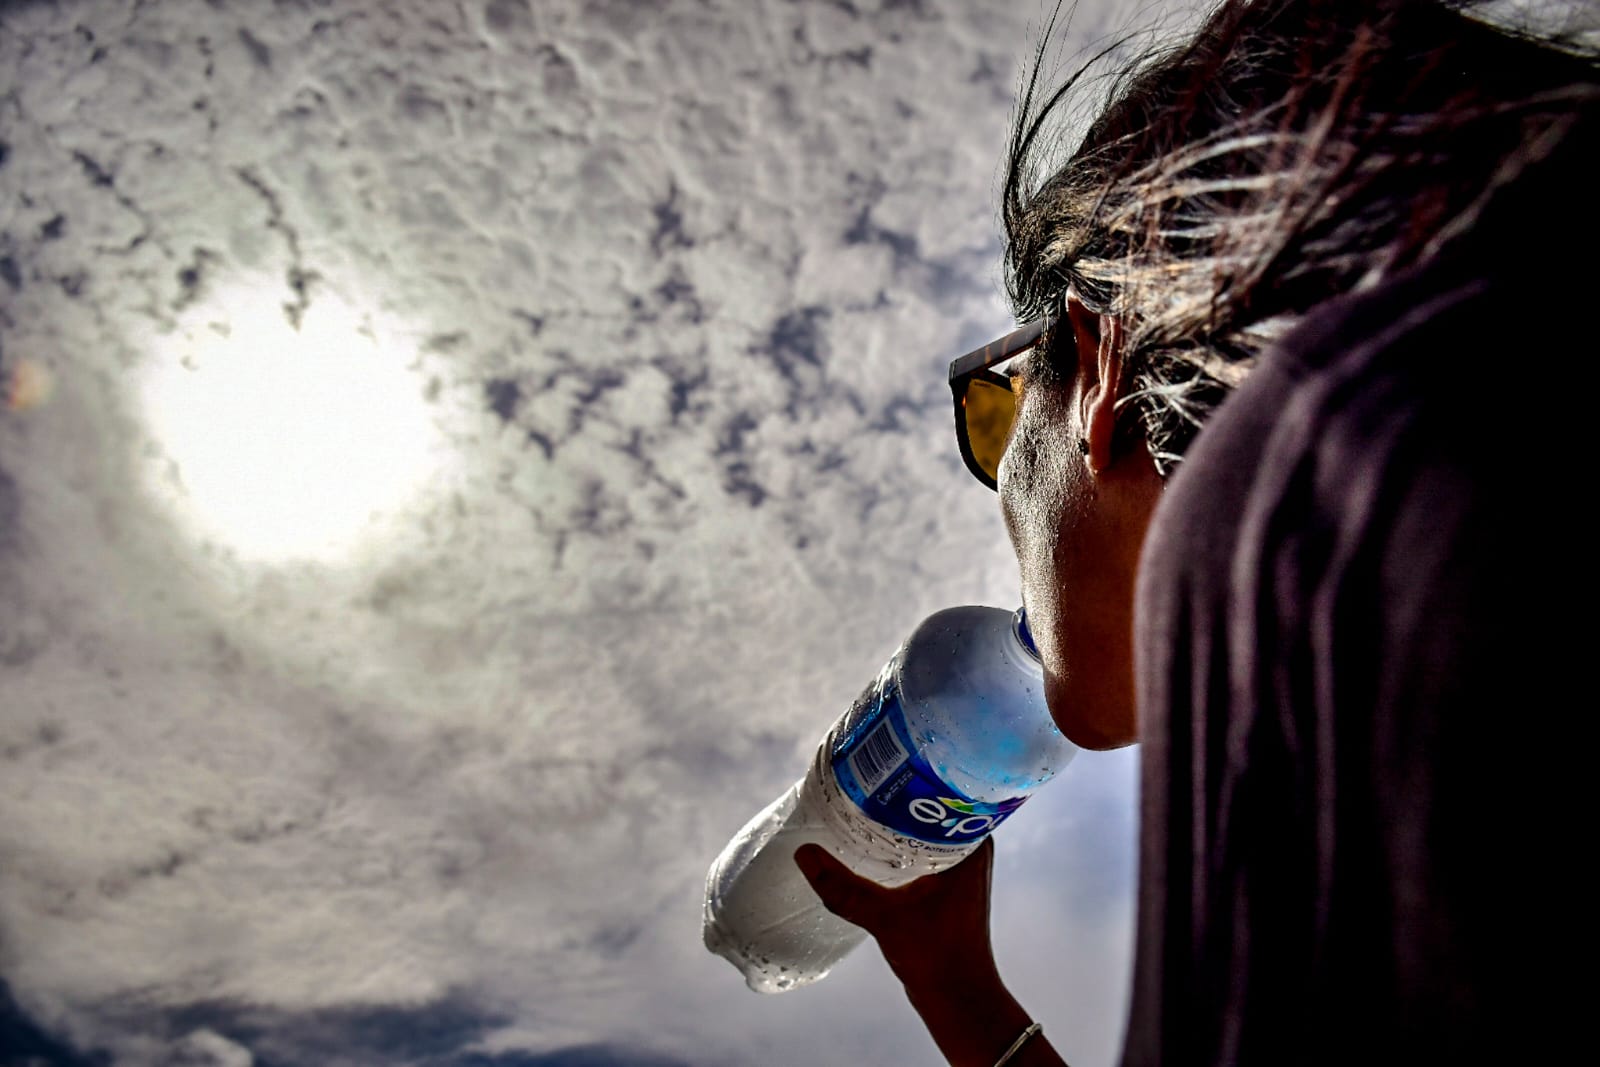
[843, 891]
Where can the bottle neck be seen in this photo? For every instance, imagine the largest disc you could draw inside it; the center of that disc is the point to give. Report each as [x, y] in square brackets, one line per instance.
[1024, 636]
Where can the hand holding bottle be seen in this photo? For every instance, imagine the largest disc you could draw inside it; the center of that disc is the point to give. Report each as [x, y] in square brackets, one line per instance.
[949, 977]
[903, 919]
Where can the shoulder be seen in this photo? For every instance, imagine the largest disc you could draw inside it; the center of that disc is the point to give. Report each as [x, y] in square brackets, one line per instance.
[1355, 622]
[1343, 622]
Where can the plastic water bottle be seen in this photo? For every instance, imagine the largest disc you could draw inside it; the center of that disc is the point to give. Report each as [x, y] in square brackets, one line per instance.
[950, 738]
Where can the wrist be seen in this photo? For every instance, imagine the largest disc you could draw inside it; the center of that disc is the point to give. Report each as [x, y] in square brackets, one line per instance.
[930, 968]
[975, 981]
[970, 1014]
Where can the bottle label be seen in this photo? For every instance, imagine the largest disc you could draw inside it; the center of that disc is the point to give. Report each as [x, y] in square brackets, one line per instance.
[879, 767]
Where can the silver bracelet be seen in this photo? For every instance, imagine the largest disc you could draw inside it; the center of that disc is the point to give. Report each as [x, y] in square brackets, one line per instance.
[1022, 1039]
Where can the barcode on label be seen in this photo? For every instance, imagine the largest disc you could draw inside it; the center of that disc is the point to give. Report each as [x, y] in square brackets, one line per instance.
[877, 757]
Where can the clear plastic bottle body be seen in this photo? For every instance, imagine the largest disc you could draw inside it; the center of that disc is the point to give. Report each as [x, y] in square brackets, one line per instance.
[949, 739]
[761, 914]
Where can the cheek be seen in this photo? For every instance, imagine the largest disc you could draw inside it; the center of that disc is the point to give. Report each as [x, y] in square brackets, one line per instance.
[1032, 503]
[1031, 480]
[1040, 500]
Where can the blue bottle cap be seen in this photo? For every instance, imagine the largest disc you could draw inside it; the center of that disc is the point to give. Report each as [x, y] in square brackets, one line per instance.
[1023, 633]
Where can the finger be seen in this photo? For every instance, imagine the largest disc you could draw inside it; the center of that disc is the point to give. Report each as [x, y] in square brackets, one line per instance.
[973, 873]
[984, 855]
[976, 863]
[845, 893]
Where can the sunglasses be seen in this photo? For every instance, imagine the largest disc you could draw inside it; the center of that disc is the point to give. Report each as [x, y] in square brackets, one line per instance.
[986, 401]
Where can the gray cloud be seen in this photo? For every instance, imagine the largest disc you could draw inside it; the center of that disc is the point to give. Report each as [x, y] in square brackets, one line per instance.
[675, 287]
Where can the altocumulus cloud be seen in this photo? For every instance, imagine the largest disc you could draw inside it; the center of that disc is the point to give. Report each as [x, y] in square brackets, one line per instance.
[581, 365]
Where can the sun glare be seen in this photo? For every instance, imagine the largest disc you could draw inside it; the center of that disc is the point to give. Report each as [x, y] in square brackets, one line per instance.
[282, 444]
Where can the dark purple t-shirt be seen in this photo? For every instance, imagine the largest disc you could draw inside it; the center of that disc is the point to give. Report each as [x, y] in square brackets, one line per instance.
[1364, 648]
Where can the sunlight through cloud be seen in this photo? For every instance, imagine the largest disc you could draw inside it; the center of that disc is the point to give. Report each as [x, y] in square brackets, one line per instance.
[286, 444]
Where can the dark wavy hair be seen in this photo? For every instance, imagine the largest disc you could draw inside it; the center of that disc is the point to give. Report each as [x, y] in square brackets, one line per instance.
[1287, 152]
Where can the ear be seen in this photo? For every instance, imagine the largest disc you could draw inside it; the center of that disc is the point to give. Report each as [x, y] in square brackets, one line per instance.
[1099, 342]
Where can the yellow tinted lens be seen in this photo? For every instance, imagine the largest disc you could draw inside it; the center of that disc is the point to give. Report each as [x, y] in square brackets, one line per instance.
[989, 409]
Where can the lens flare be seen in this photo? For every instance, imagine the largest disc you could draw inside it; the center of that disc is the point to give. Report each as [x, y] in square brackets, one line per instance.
[25, 385]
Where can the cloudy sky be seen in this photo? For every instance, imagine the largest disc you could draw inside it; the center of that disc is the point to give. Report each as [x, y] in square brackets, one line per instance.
[460, 458]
